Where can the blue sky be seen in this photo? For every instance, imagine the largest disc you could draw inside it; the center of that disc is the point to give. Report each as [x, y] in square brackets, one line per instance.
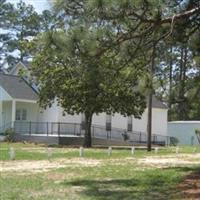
[39, 5]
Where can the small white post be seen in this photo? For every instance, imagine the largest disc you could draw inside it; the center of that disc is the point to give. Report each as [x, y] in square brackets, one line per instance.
[132, 150]
[177, 150]
[12, 153]
[156, 150]
[109, 151]
[81, 152]
[49, 153]
[194, 150]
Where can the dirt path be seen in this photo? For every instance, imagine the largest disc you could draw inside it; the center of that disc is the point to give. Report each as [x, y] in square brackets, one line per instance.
[172, 160]
[44, 165]
[190, 187]
[148, 162]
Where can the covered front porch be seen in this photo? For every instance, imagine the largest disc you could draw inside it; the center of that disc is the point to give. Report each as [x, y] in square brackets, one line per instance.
[17, 110]
[18, 101]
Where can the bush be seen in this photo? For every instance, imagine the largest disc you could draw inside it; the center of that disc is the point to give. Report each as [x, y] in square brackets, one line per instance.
[9, 133]
[174, 141]
[2, 134]
[197, 131]
[125, 136]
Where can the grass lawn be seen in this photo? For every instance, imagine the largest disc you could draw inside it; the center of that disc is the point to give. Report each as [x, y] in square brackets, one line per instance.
[66, 176]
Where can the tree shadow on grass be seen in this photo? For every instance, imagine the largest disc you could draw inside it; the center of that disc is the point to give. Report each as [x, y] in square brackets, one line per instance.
[195, 169]
[119, 189]
[150, 185]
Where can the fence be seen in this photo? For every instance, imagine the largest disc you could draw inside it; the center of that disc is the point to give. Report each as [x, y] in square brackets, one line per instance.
[5, 127]
[75, 129]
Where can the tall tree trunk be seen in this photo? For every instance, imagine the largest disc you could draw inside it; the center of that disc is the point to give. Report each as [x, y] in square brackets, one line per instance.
[184, 103]
[182, 78]
[149, 122]
[88, 136]
[170, 77]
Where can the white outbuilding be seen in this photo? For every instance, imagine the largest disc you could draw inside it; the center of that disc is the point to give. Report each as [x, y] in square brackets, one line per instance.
[184, 131]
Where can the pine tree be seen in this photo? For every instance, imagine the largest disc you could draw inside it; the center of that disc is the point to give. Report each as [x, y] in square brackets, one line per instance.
[7, 15]
[20, 24]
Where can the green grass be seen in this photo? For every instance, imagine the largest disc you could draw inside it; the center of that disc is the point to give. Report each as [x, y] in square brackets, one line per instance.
[116, 178]
[39, 152]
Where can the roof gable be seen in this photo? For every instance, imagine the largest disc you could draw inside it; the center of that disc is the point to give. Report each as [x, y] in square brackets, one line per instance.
[17, 87]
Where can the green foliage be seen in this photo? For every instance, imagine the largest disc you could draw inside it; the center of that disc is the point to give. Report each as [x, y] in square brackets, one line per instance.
[197, 131]
[9, 133]
[19, 24]
[177, 52]
[101, 51]
[125, 136]
[70, 70]
[6, 17]
[82, 83]
[174, 141]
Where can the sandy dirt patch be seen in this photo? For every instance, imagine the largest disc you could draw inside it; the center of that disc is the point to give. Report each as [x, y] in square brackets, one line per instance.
[147, 162]
[170, 160]
[45, 165]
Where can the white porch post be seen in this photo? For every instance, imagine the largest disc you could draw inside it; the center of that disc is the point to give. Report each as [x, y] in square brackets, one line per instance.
[1, 114]
[13, 112]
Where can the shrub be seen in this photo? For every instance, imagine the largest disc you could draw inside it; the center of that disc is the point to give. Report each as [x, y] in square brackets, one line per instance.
[9, 133]
[197, 131]
[174, 141]
[125, 136]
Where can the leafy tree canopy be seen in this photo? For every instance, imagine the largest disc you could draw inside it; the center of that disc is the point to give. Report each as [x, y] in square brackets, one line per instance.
[68, 72]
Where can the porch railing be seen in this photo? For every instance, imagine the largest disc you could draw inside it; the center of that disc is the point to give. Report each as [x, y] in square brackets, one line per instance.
[75, 129]
[5, 127]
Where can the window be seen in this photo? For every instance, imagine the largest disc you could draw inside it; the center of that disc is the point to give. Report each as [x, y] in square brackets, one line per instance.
[24, 114]
[21, 114]
[18, 114]
[108, 122]
[130, 123]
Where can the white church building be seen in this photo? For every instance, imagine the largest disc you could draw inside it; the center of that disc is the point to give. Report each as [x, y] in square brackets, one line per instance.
[19, 107]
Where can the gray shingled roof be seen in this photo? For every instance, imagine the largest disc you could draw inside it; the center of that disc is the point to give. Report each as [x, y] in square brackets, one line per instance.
[17, 87]
[158, 104]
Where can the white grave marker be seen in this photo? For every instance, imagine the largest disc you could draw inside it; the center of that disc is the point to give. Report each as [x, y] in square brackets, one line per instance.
[156, 150]
[109, 151]
[177, 150]
[49, 153]
[12, 153]
[81, 152]
[132, 150]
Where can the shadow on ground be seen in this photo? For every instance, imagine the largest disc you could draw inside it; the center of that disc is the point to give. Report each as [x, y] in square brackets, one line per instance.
[190, 186]
[148, 185]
